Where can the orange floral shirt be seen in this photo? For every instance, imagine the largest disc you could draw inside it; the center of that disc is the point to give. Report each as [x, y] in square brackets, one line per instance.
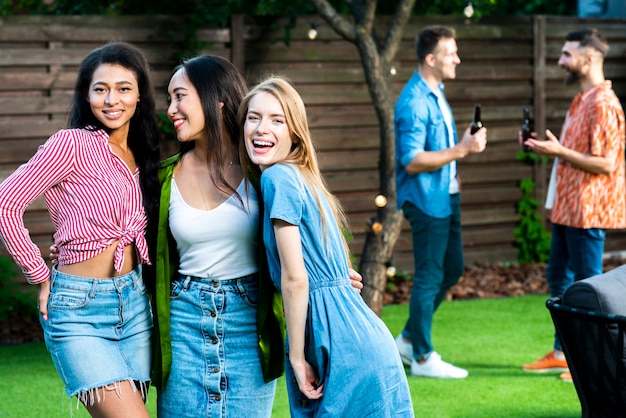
[594, 125]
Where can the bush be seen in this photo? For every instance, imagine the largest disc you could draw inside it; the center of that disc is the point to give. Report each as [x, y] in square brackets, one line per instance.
[14, 298]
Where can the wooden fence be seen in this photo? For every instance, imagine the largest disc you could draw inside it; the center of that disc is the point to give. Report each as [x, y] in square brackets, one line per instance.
[506, 64]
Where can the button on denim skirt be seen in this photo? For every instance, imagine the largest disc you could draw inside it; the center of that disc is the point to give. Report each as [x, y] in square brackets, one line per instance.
[98, 331]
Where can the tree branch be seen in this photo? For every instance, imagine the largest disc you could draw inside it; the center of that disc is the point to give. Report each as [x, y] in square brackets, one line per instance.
[344, 28]
[396, 27]
[369, 15]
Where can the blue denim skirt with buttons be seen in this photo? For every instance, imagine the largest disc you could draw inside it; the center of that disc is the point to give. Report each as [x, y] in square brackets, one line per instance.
[99, 333]
[216, 361]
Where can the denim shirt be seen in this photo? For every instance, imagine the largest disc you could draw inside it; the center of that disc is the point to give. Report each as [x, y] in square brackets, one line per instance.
[419, 126]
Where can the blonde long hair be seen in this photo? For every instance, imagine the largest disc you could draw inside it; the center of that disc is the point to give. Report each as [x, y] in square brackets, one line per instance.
[302, 153]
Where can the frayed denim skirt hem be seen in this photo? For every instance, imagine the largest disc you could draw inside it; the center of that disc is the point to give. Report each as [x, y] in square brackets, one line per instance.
[99, 333]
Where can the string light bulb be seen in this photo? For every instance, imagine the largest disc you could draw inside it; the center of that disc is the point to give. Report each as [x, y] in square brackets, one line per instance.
[313, 31]
[393, 70]
[380, 201]
[469, 10]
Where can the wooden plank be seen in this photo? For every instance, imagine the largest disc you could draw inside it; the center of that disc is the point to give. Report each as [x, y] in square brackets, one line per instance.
[495, 234]
[489, 216]
[514, 50]
[493, 173]
[353, 181]
[326, 139]
[560, 27]
[13, 81]
[490, 28]
[482, 71]
[302, 51]
[500, 90]
[74, 55]
[342, 117]
[19, 151]
[353, 160]
[490, 194]
[490, 254]
[34, 129]
[350, 74]
[101, 29]
[29, 105]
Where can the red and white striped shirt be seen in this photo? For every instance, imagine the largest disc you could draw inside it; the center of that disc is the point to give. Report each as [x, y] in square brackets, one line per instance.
[92, 196]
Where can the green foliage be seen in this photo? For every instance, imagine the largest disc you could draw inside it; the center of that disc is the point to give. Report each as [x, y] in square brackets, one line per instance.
[219, 11]
[531, 238]
[165, 126]
[13, 298]
[531, 157]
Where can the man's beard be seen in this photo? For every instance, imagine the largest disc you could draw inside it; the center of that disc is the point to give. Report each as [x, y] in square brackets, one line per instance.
[573, 76]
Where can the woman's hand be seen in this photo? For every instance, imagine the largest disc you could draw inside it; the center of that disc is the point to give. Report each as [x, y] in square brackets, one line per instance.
[308, 382]
[54, 254]
[44, 295]
[356, 280]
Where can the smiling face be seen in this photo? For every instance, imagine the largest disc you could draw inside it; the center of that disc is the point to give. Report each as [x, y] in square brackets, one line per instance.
[266, 132]
[573, 60]
[445, 58]
[113, 95]
[185, 108]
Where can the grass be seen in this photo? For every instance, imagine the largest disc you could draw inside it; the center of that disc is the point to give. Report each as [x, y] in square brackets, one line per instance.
[492, 338]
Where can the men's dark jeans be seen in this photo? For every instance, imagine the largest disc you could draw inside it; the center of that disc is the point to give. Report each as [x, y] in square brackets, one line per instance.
[575, 254]
[438, 256]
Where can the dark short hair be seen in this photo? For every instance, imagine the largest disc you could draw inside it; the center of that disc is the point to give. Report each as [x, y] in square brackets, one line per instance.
[589, 38]
[429, 37]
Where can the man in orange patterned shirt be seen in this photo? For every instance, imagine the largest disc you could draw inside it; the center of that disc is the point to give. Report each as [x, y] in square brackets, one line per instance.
[587, 188]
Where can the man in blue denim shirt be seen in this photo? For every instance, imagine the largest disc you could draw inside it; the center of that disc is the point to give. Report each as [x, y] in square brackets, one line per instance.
[427, 149]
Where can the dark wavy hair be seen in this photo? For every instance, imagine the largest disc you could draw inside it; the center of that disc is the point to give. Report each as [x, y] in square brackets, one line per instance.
[217, 80]
[143, 134]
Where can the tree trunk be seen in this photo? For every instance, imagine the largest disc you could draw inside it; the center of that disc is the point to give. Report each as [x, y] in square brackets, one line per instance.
[376, 57]
[377, 252]
[378, 247]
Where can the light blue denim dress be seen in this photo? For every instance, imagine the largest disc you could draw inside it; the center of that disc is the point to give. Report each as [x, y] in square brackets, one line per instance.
[349, 346]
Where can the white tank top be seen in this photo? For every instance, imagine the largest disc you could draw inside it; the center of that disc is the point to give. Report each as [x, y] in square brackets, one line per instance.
[218, 244]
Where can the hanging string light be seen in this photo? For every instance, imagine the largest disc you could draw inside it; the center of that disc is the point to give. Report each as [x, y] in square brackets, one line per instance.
[313, 31]
[469, 10]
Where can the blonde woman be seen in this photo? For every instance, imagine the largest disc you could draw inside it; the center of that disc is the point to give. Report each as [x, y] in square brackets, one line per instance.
[342, 360]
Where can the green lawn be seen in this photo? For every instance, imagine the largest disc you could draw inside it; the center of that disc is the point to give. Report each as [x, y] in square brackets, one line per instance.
[492, 338]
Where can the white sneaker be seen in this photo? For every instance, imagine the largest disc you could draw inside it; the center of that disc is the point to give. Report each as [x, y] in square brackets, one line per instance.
[405, 349]
[434, 366]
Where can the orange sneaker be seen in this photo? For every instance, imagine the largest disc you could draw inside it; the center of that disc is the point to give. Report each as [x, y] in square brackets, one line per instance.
[566, 377]
[548, 363]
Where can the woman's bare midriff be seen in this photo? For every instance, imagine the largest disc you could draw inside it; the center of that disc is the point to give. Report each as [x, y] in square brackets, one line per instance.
[101, 266]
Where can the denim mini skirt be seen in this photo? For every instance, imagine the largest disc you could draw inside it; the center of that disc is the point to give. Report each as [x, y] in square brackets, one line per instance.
[99, 332]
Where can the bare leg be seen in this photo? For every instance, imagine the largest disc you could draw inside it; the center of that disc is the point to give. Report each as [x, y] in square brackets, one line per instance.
[120, 400]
